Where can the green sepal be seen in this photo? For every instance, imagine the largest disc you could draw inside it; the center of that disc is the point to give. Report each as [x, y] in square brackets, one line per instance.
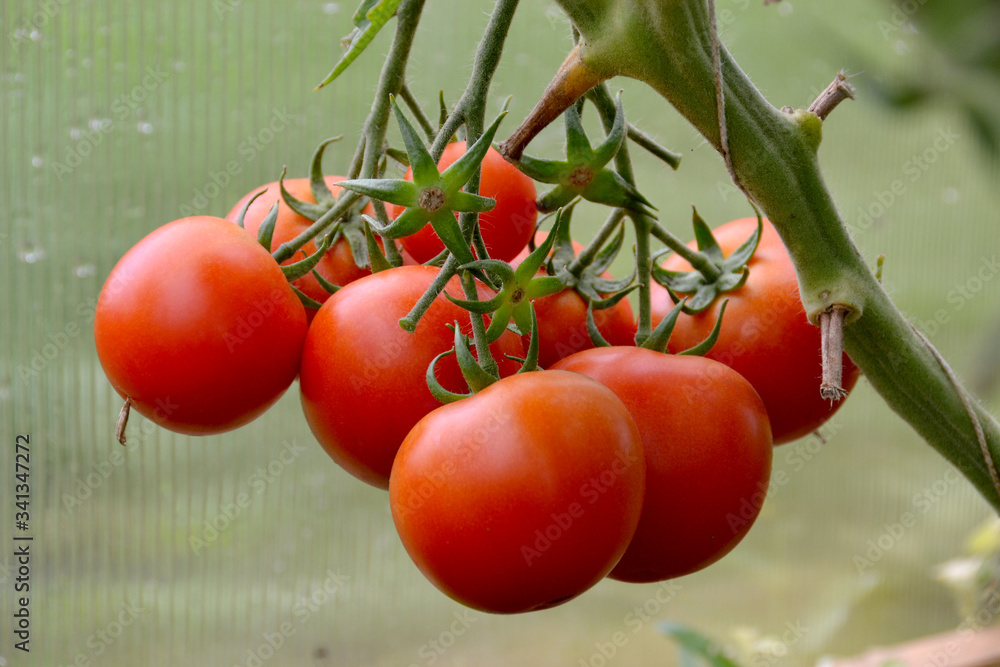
[324, 283]
[578, 148]
[356, 241]
[475, 375]
[446, 227]
[696, 643]
[320, 190]
[556, 198]
[392, 190]
[660, 336]
[266, 231]
[410, 221]
[543, 171]
[501, 269]
[610, 189]
[425, 171]
[733, 270]
[305, 209]
[461, 170]
[306, 301]
[544, 286]
[531, 358]
[465, 202]
[604, 153]
[438, 391]
[399, 156]
[376, 260]
[527, 270]
[601, 285]
[705, 346]
[369, 18]
[607, 254]
[703, 236]
[595, 334]
[298, 269]
[246, 207]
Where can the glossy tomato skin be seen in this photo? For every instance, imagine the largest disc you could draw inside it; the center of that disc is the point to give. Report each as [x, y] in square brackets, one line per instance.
[337, 265]
[523, 496]
[506, 229]
[766, 336]
[562, 320]
[363, 378]
[707, 443]
[197, 325]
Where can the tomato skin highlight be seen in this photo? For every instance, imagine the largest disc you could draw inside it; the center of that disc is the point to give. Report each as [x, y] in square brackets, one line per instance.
[708, 452]
[506, 229]
[363, 381]
[197, 325]
[522, 496]
[766, 336]
[337, 265]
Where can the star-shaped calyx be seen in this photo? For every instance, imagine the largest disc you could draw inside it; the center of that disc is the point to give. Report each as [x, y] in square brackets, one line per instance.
[718, 275]
[432, 197]
[584, 171]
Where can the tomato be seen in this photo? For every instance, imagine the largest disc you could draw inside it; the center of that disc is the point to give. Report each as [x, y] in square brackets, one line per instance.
[766, 336]
[522, 496]
[363, 378]
[337, 265]
[506, 229]
[197, 325]
[708, 452]
[562, 320]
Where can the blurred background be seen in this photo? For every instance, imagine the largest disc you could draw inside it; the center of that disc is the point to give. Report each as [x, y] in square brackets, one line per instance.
[119, 116]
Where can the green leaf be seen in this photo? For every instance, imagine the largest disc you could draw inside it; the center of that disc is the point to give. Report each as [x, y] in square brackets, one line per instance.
[697, 643]
[368, 20]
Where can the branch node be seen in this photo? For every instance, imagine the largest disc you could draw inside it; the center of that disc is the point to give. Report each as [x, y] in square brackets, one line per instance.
[839, 90]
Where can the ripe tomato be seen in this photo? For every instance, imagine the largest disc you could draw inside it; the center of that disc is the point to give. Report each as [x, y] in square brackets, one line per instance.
[337, 265]
[363, 378]
[197, 325]
[522, 496]
[562, 319]
[766, 336]
[708, 452]
[506, 229]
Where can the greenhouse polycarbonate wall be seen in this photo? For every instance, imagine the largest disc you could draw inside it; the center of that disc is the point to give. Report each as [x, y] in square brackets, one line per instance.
[254, 547]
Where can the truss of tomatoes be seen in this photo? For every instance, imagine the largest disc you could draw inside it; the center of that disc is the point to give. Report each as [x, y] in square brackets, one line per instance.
[615, 461]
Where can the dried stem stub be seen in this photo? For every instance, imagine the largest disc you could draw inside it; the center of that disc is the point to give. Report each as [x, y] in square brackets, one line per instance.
[840, 89]
[831, 324]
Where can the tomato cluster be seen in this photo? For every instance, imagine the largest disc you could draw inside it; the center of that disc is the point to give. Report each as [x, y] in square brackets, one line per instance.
[614, 461]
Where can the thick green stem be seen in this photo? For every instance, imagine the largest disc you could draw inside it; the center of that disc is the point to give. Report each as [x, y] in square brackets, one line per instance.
[667, 44]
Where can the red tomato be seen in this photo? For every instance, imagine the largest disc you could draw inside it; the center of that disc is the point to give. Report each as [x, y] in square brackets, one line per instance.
[506, 229]
[363, 378]
[522, 496]
[708, 452]
[562, 320]
[766, 336]
[337, 265]
[197, 325]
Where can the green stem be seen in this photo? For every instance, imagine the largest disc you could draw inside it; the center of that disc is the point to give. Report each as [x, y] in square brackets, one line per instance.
[586, 256]
[373, 136]
[418, 112]
[667, 44]
[483, 353]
